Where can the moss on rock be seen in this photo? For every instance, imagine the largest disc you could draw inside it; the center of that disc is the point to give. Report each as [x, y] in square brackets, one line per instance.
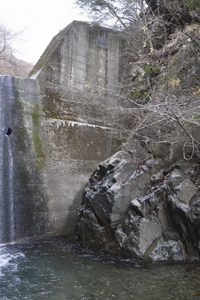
[40, 156]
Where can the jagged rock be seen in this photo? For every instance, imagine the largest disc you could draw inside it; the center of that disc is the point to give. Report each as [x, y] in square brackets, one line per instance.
[144, 232]
[186, 190]
[142, 210]
[169, 250]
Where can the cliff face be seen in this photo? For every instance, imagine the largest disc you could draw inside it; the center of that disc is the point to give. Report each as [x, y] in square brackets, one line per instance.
[143, 202]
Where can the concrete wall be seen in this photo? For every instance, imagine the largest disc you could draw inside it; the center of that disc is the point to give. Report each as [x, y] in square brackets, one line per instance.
[80, 74]
[45, 163]
[63, 122]
[76, 74]
[73, 151]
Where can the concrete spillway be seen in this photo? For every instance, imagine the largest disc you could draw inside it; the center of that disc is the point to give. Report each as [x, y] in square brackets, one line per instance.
[7, 95]
[21, 199]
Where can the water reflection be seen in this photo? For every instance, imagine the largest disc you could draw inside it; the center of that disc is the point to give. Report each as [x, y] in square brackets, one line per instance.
[52, 270]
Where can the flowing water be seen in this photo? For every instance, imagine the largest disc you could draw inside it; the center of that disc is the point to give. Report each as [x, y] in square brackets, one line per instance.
[6, 161]
[11, 198]
[55, 270]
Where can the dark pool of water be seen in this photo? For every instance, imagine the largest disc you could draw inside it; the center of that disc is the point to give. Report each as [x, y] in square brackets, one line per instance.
[54, 270]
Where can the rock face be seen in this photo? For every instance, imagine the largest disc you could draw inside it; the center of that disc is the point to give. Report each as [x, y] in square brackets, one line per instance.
[144, 210]
[144, 201]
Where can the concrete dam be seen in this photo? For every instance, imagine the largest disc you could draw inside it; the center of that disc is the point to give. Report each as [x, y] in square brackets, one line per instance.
[56, 127]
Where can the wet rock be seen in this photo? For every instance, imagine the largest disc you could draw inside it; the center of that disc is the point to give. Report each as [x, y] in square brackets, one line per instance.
[186, 190]
[163, 217]
[143, 233]
[175, 177]
[168, 251]
[143, 210]
[150, 230]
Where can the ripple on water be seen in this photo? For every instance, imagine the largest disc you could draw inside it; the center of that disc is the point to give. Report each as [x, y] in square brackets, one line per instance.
[54, 271]
[9, 258]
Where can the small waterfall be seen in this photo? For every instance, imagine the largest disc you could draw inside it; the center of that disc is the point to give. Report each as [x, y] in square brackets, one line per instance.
[11, 198]
[6, 161]
[1, 167]
[23, 211]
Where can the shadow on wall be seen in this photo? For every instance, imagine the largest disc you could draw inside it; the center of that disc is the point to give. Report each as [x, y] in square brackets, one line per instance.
[72, 212]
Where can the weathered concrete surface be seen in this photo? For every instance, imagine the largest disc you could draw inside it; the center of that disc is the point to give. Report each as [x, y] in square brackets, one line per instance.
[80, 74]
[60, 129]
[72, 151]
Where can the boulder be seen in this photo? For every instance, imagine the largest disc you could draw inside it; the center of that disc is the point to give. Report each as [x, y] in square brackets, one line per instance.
[142, 210]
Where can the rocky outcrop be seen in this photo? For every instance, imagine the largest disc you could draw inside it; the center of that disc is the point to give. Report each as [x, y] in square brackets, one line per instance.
[144, 210]
[144, 202]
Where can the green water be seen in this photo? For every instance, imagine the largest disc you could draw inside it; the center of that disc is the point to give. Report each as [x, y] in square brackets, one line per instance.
[55, 270]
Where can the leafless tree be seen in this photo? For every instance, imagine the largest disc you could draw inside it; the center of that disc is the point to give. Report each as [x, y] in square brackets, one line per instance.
[9, 64]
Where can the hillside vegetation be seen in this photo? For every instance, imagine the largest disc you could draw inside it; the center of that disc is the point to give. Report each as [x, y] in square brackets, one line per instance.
[161, 85]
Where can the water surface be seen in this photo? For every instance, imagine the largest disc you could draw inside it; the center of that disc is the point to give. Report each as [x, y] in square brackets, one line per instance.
[54, 270]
